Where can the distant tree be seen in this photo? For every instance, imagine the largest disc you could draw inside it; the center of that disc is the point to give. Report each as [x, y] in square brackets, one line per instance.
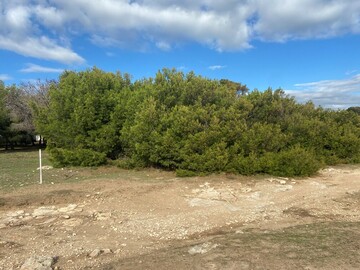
[354, 109]
[4, 115]
[22, 126]
[38, 99]
[242, 89]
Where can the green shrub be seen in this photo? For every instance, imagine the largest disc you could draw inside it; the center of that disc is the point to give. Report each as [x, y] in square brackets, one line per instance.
[213, 159]
[78, 157]
[245, 165]
[295, 161]
[191, 124]
[125, 163]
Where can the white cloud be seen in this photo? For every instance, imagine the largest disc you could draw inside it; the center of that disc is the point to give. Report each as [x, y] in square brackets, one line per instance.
[4, 77]
[216, 67]
[32, 68]
[281, 20]
[330, 93]
[162, 45]
[43, 29]
[21, 33]
[40, 47]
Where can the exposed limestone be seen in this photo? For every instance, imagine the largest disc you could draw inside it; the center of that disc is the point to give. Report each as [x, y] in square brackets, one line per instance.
[202, 249]
[38, 263]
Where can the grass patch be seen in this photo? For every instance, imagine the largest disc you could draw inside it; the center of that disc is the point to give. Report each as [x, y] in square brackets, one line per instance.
[328, 245]
[315, 243]
[19, 169]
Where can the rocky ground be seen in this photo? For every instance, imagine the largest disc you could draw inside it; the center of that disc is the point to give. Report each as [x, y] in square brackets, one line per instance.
[215, 222]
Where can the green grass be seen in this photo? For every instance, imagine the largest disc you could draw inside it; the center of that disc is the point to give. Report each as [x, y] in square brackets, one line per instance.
[19, 169]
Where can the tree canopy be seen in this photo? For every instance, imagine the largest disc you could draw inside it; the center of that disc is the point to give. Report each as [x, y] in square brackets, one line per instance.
[191, 124]
[177, 121]
[4, 113]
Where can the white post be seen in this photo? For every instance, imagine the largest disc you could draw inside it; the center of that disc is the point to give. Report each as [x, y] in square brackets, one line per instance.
[40, 166]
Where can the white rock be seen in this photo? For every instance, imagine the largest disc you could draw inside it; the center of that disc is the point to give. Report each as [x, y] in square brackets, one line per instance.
[38, 263]
[45, 168]
[45, 211]
[16, 213]
[96, 252]
[103, 216]
[69, 208]
[202, 249]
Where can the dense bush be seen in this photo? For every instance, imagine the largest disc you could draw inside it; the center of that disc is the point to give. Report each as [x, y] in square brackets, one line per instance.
[295, 161]
[78, 157]
[192, 125]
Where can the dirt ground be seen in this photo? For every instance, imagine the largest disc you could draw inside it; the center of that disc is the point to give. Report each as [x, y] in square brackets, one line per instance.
[214, 222]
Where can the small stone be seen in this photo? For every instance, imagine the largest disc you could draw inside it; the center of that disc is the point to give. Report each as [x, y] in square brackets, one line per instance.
[69, 208]
[103, 216]
[107, 251]
[66, 217]
[96, 252]
[44, 211]
[202, 249]
[45, 168]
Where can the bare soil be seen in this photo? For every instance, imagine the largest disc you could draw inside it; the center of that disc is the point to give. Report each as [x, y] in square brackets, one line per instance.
[164, 222]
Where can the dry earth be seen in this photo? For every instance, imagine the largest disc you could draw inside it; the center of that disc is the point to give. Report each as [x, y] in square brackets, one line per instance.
[215, 222]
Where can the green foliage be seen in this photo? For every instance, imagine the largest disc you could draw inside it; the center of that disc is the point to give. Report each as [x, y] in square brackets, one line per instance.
[354, 109]
[4, 113]
[81, 109]
[78, 157]
[192, 125]
[295, 161]
[185, 173]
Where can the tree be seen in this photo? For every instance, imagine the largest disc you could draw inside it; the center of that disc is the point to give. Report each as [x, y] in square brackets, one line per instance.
[191, 124]
[80, 112]
[22, 127]
[238, 87]
[354, 109]
[4, 115]
[38, 99]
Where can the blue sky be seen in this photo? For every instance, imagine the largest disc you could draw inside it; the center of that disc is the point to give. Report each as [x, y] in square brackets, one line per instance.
[309, 48]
